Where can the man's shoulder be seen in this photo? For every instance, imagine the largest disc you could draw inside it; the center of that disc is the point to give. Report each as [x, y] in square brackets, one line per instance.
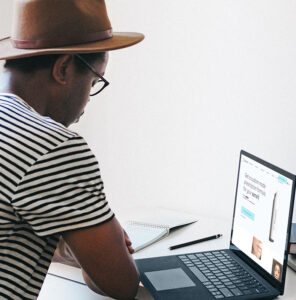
[31, 142]
[21, 120]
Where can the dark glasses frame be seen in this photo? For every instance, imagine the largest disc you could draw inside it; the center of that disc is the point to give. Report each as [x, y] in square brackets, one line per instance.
[106, 82]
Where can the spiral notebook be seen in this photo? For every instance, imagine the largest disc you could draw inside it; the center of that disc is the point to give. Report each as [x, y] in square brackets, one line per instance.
[151, 229]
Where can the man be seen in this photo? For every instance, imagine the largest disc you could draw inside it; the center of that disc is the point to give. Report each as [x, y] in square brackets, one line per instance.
[50, 181]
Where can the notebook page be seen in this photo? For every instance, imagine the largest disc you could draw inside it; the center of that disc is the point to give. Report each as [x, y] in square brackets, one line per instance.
[142, 236]
[164, 218]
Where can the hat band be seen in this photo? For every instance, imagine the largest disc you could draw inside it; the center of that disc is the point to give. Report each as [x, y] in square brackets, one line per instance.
[60, 42]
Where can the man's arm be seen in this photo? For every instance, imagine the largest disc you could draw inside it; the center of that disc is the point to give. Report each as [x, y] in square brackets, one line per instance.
[103, 252]
[63, 255]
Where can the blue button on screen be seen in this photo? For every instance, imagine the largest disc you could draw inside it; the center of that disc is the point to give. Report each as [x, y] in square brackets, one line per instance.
[248, 213]
[282, 179]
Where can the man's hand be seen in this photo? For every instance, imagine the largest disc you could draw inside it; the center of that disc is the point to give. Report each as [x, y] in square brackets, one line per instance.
[128, 242]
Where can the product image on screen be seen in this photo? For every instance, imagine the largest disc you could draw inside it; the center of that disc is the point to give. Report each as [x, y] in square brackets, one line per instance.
[261, 215]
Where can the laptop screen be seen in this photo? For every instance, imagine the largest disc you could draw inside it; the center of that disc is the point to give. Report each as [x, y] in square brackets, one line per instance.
[261, 214]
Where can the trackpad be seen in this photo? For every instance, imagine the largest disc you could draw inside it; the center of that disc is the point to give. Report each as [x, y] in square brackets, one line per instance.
[169, 279]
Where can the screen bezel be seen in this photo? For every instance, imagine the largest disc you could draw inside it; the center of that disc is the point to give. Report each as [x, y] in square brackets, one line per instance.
[274, 282]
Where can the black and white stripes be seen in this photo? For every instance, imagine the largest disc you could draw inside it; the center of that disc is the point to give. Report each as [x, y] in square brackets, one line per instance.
[49, 183]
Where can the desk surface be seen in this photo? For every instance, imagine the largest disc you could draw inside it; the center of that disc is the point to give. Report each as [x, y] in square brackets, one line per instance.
[67, 289]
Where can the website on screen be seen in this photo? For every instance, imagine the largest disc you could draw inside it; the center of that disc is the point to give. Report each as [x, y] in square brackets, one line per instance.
[261, 215]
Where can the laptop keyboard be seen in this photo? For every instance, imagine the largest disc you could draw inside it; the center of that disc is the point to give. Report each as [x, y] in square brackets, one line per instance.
[221, 274]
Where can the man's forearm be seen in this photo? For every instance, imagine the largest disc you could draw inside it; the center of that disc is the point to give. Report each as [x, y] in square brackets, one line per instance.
[64, 255]
[127, 286]
[91, 285]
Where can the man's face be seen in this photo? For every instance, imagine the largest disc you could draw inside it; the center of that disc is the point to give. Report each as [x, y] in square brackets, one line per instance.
[80, 90]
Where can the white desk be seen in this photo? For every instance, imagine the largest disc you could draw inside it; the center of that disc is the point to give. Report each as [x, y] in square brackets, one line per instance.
[60, 289]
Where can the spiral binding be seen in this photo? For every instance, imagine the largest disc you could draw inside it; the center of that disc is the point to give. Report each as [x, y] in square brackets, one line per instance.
[147, 224]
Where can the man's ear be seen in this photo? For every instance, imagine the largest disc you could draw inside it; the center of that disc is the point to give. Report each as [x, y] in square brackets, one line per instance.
[62, 68]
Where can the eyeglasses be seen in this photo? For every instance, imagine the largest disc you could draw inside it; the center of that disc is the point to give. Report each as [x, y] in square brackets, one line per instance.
[99, 85]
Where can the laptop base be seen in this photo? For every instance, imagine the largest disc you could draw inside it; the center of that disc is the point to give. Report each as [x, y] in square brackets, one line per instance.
[185, 277]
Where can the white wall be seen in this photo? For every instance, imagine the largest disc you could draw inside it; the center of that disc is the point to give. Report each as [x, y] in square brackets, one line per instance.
[212, 77]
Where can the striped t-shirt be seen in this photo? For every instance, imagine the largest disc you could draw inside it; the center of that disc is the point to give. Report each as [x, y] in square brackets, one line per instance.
[50, 182]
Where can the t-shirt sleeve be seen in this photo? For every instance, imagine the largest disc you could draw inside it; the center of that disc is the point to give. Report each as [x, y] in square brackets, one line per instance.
[62, 191]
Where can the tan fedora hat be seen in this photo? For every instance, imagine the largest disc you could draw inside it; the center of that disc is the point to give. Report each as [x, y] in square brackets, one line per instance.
[62, 26]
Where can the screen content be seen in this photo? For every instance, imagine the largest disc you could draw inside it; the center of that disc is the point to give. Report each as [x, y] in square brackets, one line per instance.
[262, 214]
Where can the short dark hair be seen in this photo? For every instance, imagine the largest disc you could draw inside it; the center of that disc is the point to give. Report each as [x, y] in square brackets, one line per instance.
[35, 63]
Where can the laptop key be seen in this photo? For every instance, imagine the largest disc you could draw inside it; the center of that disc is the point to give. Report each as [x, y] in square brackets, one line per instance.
[191, 256]
[231, 286]
[247, 292]
[220, 274]
[198, 274]
[199, 255]
[189, 265]
[262, 289]
[240, 285]
[236, 292]
[226, 292]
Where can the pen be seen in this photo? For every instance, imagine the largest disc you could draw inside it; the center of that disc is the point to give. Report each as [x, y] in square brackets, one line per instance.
[216, 236]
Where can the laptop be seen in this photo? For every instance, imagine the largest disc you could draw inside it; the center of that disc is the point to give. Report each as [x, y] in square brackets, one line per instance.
[254, 266]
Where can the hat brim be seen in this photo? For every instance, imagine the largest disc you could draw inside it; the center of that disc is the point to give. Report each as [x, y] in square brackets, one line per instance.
[119, 40]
